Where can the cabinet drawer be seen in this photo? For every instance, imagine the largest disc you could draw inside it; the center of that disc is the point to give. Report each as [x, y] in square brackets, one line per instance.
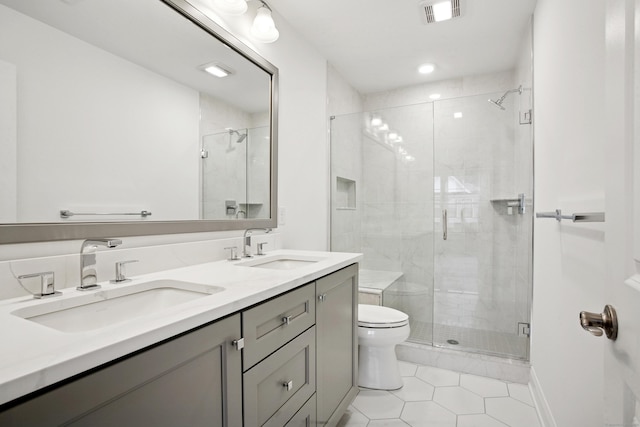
[276, 388]
[268, 326]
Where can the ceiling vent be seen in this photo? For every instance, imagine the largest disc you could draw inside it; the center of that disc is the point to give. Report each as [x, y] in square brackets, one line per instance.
[431, 11]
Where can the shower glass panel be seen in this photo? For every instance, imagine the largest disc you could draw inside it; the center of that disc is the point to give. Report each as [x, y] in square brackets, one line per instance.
[482, 280]
[394, 173]
[382, 205]
[235, 174]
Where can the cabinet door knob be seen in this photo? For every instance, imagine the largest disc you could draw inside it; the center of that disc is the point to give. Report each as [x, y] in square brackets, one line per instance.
[322, 297]
[288, 385]
[238, 344]
[286, 320]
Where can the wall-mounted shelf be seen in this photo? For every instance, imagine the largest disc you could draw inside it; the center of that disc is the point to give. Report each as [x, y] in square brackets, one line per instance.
[512, 202]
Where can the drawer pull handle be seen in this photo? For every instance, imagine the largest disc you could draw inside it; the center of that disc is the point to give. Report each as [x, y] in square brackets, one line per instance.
[286, 320]
[288, 385]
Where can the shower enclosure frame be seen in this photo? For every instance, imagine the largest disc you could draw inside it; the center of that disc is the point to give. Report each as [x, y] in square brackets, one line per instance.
[524, 356]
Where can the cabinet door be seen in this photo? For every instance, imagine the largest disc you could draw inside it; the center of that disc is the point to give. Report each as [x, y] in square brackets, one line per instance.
[306, 416]
[336, 329]
[192, 380]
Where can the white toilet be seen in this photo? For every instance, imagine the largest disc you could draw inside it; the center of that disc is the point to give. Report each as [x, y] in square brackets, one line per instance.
[379, 330]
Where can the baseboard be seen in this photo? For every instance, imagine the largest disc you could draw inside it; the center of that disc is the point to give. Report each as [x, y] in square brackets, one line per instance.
[542, 406]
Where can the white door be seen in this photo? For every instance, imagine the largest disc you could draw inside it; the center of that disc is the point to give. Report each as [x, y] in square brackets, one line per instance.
[622, 289]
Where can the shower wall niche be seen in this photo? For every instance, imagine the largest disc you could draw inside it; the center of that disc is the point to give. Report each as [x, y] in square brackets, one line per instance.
[466, 285]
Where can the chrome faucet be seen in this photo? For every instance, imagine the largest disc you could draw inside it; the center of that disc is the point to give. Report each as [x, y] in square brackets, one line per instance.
[246, 241]
[88, 273]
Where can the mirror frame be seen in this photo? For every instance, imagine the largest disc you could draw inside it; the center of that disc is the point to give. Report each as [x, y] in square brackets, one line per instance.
[41, 232]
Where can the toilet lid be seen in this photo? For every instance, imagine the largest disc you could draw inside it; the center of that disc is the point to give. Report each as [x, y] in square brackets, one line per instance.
[377, 316]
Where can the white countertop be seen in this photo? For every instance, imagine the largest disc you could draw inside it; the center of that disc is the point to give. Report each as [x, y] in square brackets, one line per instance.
[34, 356]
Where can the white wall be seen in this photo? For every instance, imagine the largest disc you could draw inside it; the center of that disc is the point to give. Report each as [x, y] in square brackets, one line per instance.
[569, 174]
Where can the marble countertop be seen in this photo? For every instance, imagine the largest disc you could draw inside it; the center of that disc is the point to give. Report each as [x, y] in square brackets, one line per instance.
[35, 356]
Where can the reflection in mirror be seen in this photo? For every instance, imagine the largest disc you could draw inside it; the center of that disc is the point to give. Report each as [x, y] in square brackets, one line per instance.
[228, 158]
[111, 110]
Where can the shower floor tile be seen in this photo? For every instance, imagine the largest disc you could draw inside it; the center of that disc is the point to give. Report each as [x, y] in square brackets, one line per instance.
[474, 340]
[471, 402]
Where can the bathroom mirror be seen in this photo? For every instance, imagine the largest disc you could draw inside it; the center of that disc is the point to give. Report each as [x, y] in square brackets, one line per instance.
[113, 122]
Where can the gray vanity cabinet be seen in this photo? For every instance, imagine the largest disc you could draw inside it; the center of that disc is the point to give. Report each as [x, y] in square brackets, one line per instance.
[192, 380]
[337, 340]
[298, 368]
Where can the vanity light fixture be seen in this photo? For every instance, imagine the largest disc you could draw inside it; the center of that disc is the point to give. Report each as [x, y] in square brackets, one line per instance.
[383, 127]
[264, 29]
[426, 68]
[392, 135]
[230, 7]
[216, 69]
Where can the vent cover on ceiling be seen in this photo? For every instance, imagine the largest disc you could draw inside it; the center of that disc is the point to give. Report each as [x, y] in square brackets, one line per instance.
[426, 10]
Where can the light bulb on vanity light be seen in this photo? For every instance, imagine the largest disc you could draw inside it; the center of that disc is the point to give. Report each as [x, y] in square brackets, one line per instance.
[264, 29]
[230, 7]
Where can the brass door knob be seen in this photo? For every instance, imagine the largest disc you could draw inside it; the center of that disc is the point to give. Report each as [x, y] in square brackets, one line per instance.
[597, 323]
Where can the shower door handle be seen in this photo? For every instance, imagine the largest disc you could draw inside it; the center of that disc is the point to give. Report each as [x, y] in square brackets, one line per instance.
[444, 224]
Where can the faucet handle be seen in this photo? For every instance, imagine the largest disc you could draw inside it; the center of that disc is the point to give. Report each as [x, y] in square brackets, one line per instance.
[121, 276]
[261, 249]
[47, 284]
[233, 253]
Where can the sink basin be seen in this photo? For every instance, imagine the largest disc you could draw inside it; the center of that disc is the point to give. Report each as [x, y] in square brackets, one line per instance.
[282, 262]
[103, 308]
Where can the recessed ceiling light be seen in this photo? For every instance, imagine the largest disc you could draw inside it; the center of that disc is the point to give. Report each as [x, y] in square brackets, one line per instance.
[435, 96]
[217, 70]
[426, 68]
[457, 115]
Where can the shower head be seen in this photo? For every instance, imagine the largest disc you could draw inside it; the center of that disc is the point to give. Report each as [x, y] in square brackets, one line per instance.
[498, 102]
[241, 136]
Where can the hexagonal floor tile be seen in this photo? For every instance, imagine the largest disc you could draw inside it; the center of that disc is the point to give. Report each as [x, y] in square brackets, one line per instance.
[427, 414]
[459, 401]
[407, 369]
[353, 418]
[375, 404]
[388, 423]
[481, 420]
[520, 392]
[485, 387]
[438, 377]
[414, 390]
[512, 412]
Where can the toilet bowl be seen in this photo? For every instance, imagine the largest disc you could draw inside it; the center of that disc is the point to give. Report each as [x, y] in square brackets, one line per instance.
[379, 330]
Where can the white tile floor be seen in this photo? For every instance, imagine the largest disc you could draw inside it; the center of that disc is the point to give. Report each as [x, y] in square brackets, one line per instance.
[433, 397]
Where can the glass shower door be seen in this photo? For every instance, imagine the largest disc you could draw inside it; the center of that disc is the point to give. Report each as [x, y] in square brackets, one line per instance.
[382, 206]
[482, 245]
